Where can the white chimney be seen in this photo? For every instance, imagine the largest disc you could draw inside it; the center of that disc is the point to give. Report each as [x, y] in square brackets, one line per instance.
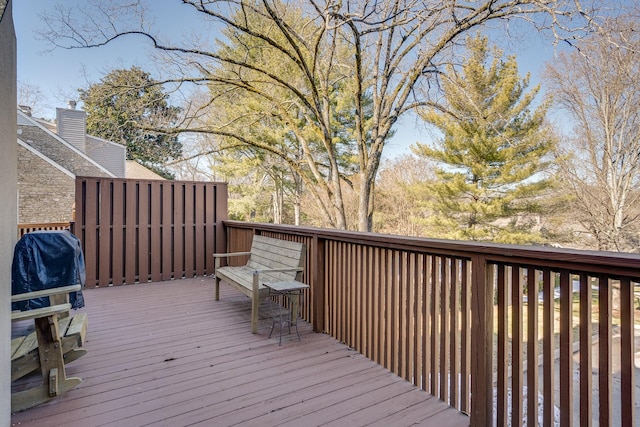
[72, 126]
[72, 104]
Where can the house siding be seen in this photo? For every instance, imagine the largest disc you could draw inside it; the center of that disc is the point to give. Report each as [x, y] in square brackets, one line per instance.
[109, 154]
[45, 196]
[72, 127]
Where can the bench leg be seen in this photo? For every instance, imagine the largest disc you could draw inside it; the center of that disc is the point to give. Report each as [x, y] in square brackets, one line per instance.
[217, 280]
[255, 304]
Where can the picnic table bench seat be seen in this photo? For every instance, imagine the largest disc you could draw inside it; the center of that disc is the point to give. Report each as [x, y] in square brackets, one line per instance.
[56, 341]
[270, 260]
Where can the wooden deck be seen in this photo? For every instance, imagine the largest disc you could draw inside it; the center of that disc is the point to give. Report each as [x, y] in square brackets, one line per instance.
[168, 354]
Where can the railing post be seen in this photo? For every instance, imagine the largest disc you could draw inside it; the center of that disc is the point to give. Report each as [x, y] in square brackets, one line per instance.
[317, 267]
[481, 342]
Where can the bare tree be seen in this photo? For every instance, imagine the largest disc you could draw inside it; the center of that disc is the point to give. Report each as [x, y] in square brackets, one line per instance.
[389, 52]
[599, 87]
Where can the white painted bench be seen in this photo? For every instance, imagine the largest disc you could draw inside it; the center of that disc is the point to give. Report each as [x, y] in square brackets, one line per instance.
[270, 260]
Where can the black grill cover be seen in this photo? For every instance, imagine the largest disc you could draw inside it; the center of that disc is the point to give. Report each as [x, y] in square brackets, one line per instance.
[44, 260]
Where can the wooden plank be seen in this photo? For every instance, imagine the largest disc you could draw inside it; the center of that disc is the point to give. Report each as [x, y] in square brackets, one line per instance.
[605, 342]
[118, 232]
[144, 229]
[517, 344]
[465, 339]
[131, 233]
[210, 226]
[482, 276]
[586, 382]
[566, 350]
[155, 230]
[445, 336]
[178, 231]
[502, 363]
[532, 345]
[105, 237]
[199, 229]
[90, 226]
[454, 332]
[167, 223]
[435, 324]
[318, 286]
[189, 230]
[627, 353]
[548, 349]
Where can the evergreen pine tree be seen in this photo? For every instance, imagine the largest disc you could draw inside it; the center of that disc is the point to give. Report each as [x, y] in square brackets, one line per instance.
[492, 154]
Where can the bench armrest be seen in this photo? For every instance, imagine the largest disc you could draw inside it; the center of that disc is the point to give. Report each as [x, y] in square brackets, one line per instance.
[45, 293]
[231, 254]
[40, 312]
[277, 270]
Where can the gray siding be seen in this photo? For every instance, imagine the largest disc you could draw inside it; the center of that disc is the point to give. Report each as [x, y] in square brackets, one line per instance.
[109, 154]
[72, 127]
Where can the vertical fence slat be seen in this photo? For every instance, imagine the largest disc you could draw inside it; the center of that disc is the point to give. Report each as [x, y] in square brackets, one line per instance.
[189, 230]
[517, 345]
[548, 348]
[178, 231]
[586, 382]
[566, 350]
[104, 237]
[445, 285]
[415, 319]
[318, 285]
[144, 230]
[199, 227]
[502, 365]
[454, 333]
[435, 324]
[131, 232]
[167, 231]
[532, 346]
[482, 278]
[118, 233]
[605, 364]
[155, 231]
[627, 353]
[465, 344]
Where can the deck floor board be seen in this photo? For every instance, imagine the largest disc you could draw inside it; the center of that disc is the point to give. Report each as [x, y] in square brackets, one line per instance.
[167, 354]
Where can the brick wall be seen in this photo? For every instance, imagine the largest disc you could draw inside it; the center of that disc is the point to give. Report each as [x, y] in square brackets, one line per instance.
[45, 193]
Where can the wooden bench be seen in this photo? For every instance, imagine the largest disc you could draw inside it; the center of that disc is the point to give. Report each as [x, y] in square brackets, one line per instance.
[54, 343]
[270, 260]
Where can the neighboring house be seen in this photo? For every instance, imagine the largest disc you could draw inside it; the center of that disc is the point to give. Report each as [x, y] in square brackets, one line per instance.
[50, 156]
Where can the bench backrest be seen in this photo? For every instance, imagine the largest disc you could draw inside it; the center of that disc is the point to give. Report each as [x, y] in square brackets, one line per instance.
[267, 252]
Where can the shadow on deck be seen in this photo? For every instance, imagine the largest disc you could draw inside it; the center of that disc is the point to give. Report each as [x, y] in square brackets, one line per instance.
[168, 354]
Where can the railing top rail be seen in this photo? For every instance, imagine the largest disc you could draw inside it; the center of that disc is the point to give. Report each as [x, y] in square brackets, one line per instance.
[596, 261]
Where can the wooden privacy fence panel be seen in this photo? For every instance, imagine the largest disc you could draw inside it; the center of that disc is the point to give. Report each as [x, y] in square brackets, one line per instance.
[491, 329]
[139, 231]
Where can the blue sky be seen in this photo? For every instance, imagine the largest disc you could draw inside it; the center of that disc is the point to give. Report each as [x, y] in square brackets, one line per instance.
[60, 73]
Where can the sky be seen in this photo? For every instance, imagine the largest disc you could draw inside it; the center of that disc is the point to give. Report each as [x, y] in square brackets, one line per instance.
[60, 73]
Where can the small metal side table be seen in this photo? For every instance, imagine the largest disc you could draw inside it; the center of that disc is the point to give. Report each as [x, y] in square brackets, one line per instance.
[292, 290]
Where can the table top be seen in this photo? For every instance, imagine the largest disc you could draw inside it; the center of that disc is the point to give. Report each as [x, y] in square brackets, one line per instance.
[286, 286]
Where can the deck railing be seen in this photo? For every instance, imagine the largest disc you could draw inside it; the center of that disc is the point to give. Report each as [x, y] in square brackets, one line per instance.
[488, 328]
[24, 228]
